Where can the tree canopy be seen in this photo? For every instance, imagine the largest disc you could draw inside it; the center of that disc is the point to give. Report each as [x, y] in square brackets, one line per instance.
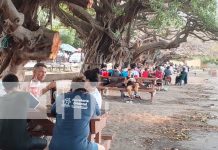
[112, 30]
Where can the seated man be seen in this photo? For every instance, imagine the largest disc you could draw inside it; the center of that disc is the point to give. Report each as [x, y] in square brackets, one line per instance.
[13, 114]
[116, 71]
[181, 77]
[167, 75]
[74, 111]
[39, 74]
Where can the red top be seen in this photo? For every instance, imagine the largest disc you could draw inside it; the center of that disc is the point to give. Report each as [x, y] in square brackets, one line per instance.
[159, 74]
[145, 74]
[105, 73]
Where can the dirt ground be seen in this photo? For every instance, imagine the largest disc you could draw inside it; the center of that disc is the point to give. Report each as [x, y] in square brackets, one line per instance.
[183, 117]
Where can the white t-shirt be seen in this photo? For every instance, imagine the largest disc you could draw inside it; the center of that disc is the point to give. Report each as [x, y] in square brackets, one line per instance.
[134, 73]
[186, 68]
[171, 69]
[97, 95]
[2, 91]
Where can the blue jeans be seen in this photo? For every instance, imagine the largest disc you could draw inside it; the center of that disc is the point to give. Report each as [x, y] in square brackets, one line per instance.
[37, 143]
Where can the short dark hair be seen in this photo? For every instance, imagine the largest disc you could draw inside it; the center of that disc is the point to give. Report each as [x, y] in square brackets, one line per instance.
[39, 64]
[132, 66]
[116, 66]
[103, 65]
[10, 81]
[92, 75]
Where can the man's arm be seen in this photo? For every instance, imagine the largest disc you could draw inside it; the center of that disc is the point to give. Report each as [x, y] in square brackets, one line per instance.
[48, 87]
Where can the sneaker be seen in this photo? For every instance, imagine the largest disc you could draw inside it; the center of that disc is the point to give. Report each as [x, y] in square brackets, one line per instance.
[124, 96]
[137, 96]
[131, 102]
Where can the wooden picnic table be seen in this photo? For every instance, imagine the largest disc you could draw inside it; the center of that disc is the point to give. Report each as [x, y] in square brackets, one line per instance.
[140, 80]
[115, 81]
[96, 126]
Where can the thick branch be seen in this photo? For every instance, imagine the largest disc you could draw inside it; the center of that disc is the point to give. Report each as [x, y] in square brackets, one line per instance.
[81, 3]
[6, 60]
[130, 11]
[82, 27]
[107, 5]
[161, 44]
[91, 20]
[11, 12]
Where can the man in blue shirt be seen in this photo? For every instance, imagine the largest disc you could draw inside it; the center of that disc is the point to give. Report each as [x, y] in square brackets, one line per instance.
[74, 111]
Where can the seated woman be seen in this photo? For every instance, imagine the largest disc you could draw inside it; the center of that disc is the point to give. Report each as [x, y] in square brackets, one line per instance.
[131, 84]
[145, 73]
[159, 74]
[104, 73]
[73, 116]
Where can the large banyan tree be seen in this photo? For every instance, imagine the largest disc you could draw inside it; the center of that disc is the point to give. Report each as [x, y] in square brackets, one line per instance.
[112, 30]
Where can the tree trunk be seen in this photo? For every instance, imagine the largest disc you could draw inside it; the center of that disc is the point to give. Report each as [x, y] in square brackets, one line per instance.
[27, 41]
[100, 48]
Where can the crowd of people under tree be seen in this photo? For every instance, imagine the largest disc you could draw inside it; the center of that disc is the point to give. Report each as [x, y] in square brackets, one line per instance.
[133, 71]
[69, 133]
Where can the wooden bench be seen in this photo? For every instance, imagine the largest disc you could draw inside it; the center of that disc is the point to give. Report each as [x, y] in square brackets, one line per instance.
[96, 126]
[113, 86]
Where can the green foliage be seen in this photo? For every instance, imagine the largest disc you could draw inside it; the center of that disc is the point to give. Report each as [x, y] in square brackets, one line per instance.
[68, 35]
[167, 15]
[91, 11]
[118, 11]
[209, 59]
[43, 16]
[171, 14]
[206, 11]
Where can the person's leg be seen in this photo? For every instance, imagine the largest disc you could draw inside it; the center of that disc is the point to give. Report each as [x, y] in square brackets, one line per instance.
[129, 90]
[136, 89]
[37, 143]
[177, 80]
[186, 79]
[169, 79]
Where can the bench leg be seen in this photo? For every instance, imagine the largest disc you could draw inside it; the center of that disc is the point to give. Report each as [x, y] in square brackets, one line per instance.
[98, 137]
[102, 92]
[152, 96]
[106, 141]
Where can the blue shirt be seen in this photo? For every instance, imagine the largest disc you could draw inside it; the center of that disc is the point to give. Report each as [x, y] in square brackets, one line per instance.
[167, 72]
[73, 117]
[124, 74]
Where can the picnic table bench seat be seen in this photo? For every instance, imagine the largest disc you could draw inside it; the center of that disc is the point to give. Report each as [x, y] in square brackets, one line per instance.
[152, 91]
[114, 85]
